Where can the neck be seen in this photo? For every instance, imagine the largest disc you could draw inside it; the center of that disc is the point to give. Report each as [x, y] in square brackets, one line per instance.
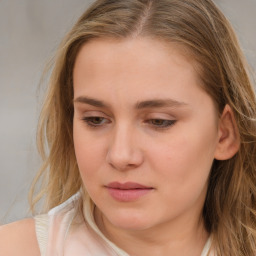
[179, 237]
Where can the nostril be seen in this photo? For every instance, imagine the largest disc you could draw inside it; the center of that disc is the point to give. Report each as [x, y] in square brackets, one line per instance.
[124, 160]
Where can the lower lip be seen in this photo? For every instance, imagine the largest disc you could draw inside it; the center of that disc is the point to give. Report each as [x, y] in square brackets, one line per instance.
[128, 195]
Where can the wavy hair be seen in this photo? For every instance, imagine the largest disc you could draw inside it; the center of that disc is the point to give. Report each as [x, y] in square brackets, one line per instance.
[229, 211]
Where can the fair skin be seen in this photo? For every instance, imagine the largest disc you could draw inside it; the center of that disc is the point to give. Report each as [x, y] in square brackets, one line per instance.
[19, 238]
[141, 116]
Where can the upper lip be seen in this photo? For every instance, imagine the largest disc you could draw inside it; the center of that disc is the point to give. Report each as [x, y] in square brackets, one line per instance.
[127, 185]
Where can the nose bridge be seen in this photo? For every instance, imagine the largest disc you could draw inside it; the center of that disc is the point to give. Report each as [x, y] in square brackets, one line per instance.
[124, 151]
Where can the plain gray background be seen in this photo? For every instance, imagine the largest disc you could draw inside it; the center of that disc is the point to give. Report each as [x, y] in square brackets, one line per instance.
[30, 31]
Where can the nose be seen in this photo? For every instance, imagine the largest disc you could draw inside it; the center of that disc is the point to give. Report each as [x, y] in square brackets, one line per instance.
[124, 150]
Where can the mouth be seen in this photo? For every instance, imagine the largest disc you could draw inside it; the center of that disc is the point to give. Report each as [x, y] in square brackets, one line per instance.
[127, 192]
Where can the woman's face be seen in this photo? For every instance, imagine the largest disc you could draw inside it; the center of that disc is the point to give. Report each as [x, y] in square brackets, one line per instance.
[145, 133]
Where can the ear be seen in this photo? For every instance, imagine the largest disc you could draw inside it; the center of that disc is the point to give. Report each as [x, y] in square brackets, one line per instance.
[228, 139]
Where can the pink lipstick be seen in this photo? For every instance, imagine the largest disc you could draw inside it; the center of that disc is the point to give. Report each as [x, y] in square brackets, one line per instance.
[127, 192]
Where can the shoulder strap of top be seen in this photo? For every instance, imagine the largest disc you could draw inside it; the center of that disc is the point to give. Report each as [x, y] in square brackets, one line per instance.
[54, 226]
[42, 227]
[207, 248]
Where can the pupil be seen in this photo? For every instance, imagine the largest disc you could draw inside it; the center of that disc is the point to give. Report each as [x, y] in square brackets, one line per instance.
[158, 121]
[97, 119]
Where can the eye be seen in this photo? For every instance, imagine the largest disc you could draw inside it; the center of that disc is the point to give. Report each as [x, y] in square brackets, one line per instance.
[95, 121]
[161, 123]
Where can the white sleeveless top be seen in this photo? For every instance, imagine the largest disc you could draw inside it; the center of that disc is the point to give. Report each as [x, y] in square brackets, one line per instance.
[62, 232]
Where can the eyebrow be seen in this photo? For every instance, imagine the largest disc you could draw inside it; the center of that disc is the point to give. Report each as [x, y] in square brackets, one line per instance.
[152, 103]
[90, 101]
[159, 103]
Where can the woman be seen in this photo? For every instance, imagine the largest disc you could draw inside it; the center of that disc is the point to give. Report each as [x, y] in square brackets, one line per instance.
[150, 125]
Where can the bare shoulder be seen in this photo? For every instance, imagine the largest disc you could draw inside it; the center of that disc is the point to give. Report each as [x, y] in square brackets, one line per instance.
[19, 238]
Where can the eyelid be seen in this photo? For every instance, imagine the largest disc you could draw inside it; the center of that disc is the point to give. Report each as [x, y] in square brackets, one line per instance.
[88, 120]
[159, 115]
[166, 123]
[93, 113]
[159, 120]
[89, 116]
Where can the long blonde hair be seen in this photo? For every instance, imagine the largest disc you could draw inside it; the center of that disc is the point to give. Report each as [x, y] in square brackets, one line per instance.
[230, 208]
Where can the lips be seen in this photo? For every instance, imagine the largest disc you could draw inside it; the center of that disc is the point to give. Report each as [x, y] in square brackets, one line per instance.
[127, 185]
[127, 192]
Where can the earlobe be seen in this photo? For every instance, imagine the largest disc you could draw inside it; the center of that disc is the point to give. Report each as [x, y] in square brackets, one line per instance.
[229, 139]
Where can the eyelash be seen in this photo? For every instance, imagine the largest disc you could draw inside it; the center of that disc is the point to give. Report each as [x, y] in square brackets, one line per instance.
[164, 123]
[89, 121]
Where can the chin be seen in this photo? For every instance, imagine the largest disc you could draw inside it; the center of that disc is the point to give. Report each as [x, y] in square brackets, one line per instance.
[130, 221]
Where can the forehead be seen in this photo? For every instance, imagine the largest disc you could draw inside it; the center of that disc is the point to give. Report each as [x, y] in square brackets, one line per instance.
[101, 50]
[134, 68]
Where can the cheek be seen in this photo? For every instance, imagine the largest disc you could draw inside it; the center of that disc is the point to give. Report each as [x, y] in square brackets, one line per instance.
[185, 159]
[88, 153]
